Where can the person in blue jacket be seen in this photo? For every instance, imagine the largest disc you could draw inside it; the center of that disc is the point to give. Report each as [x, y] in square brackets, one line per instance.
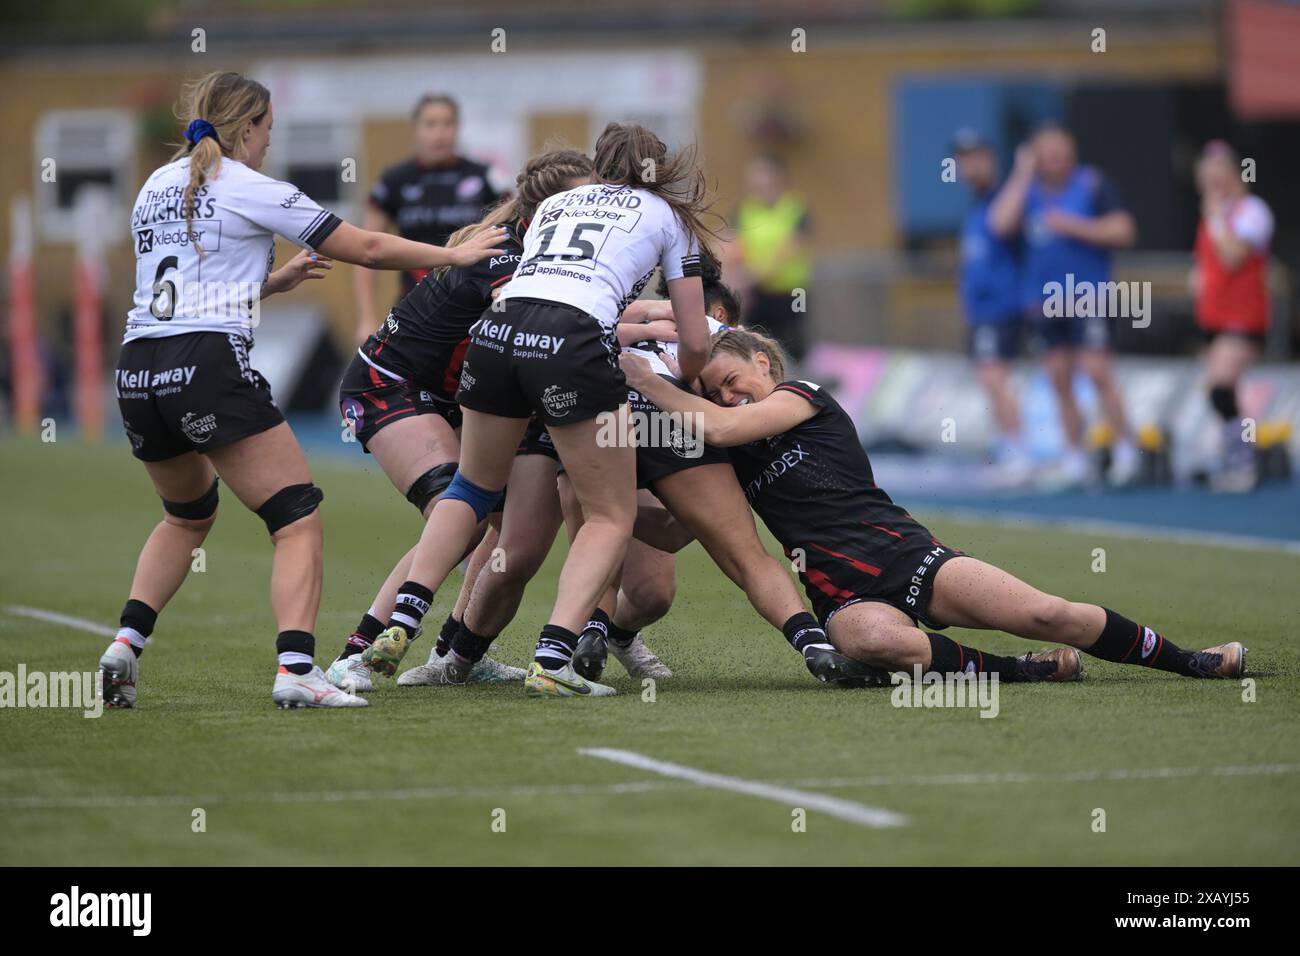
[1071, 218]
[990, 289]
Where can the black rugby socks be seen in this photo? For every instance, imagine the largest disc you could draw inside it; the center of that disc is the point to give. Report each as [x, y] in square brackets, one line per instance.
[363, 636]
[137, 623]
[949, 657]
[1127, 642]
[555, 647]
[803, 630]
[413, 601]
[446, 636]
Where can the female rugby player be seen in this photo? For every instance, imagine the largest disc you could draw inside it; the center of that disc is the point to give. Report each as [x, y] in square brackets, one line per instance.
[193, 407]
[550, 351]
[871, 571]
[399, 394]
[697, 486]
[425, 198]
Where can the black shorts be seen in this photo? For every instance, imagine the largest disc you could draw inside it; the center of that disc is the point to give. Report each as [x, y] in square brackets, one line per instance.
[996, 341]
[190, 392]
[541, 358]
[369, 401]
[905, 581]
[537, 441]
[667, 444]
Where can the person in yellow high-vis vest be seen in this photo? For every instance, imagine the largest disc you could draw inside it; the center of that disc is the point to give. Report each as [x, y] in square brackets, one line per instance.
[772, 229]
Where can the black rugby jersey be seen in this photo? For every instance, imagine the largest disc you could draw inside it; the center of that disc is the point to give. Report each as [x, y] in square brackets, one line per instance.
[425, 337]
[814, 489]
[429, 203]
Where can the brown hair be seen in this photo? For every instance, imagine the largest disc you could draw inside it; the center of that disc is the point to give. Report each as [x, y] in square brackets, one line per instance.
[746, 343]
[543, 176]
[442, 99]
[628, 154]
[228, 101]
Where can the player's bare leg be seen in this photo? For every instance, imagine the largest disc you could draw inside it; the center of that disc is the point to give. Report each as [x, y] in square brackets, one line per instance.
[411, 451]
[487, 452]
[186, 484]
[972, 593]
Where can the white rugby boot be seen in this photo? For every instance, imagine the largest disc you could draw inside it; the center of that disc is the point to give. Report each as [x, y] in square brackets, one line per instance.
[310, 690]
[121, 670]
[350, 674]
[638, 660]
[562, 682]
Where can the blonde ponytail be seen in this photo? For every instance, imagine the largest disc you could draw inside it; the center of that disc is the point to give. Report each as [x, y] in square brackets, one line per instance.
[227, 102]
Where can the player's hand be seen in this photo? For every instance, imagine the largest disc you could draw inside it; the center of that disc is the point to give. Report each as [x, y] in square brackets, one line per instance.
[305, 265]
[486, 243]
[1025, 161]
[636, 369]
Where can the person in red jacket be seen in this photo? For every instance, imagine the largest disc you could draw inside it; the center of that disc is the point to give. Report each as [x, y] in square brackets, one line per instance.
[1230, 286]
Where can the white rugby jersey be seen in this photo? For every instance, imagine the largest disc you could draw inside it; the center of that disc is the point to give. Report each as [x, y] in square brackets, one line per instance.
[595, 248]
[236, 218]
[654, 356]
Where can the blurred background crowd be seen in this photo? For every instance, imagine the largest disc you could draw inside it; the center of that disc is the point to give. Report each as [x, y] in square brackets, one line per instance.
[897, 181]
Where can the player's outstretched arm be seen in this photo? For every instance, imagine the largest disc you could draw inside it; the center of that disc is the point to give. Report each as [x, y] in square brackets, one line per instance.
[381, 250]
[722, 425]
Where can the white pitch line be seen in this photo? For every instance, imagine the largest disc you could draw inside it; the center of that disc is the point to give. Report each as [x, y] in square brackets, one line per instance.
[67, 620]
[126, 801]
[1118, 529]
[832, 806]
[1076, 776]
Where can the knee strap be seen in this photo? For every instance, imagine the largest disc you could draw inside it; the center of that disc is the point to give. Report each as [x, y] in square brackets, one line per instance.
[289, 505]
[480, 499]
[199, 509]
[430, 485]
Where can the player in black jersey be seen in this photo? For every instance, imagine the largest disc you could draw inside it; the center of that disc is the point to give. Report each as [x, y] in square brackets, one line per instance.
[872, 572]
[426, 197]
[698, 488]
[398, 395]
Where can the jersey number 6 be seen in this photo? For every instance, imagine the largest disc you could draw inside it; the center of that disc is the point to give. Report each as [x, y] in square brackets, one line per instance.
[161, 288]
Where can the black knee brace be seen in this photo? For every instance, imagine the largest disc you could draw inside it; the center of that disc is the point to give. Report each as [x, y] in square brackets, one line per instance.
[430, 485]
[288, 505]
[1224, 400]
[197, 510]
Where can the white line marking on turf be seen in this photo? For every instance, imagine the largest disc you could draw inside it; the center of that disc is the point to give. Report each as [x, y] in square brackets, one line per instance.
[53, 617]
[119, 801]
[1120, 529]
[832, 806]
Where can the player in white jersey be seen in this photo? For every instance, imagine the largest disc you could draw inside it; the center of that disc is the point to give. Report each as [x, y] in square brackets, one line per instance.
[204, 229]
[548, 347]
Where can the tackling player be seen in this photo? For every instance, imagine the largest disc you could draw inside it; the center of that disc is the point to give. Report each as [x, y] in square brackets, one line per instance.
[873, 573]
[399, 394]
[192, 404]
[551, 351]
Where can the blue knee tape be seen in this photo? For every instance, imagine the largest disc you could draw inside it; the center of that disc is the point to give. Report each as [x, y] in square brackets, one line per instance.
[480, 499]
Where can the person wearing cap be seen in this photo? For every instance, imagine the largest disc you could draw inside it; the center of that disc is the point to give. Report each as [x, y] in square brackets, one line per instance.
[990, 295]
[1230, 287]
[1072, 218]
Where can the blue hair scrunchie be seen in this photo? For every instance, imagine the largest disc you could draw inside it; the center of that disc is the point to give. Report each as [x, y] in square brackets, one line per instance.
[198, 129]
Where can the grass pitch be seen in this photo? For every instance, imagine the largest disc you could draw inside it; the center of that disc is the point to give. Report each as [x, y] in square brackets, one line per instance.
[1186, 772]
